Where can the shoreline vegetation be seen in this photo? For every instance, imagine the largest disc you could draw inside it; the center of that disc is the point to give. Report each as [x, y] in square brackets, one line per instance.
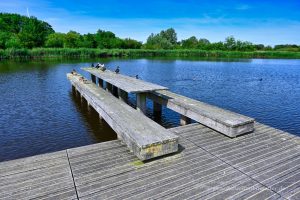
[44, 53]
[24, 37]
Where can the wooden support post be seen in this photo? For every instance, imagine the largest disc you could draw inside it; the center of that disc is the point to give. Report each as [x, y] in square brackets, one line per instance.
[184, 120]
[81, 99]
[93, 77]
[115, 91]
[108, 87]
[141, 102]
[157, 110]
[100, 82]
[73, 89]
[100, 118]
[123, 95]
[88, 106]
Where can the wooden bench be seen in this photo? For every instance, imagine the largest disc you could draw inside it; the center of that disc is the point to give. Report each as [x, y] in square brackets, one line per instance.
[224, 121]
[145, 138]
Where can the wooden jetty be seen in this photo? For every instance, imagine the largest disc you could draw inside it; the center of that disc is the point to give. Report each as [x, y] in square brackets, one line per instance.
[197, 161]
[145, 138]
[262, 165]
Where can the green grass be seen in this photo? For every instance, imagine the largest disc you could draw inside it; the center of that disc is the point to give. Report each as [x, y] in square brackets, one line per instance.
[37, 53]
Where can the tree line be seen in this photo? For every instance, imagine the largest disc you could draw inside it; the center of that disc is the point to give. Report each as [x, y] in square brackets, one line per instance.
[18, 31]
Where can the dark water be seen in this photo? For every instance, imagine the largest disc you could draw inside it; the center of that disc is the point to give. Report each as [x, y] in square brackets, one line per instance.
[39, 114]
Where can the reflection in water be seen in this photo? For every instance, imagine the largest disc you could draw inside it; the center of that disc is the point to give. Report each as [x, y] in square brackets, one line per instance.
[39, 114]
[100, 130]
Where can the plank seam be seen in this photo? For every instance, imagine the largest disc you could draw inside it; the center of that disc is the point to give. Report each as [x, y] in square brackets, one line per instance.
[72, 174]
[235, 168]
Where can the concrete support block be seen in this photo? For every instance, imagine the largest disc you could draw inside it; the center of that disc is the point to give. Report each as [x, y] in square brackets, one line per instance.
[141, 102]
[184, 120]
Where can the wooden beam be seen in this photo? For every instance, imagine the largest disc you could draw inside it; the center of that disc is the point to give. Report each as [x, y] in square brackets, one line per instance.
[126, 83]
[141, 102]
[227, 122]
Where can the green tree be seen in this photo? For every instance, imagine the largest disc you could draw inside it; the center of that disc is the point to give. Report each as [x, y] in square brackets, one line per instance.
[55, 40]
[13, 42]
[230, 43]
[4, 37]
[72, 39]
[105, 39]
[169, 35]
[88, 41]
[34, 32]
[156, 41]
[190, 43]
[131, 44]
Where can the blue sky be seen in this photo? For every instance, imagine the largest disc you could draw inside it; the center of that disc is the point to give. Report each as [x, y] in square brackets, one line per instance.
[267, 22]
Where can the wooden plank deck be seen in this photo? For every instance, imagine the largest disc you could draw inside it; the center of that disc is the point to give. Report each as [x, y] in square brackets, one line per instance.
[264, 164]
[126, 83]
[144, 137]
[227, 122]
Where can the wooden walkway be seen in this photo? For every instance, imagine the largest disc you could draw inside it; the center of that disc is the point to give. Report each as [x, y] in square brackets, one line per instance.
[264, 164]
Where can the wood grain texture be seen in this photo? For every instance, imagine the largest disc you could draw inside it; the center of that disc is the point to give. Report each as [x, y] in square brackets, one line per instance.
[224, 121]
[126, 83]
[145, 138]
[260, 165]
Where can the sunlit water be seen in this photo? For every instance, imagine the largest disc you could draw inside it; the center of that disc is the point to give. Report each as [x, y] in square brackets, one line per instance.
[39, 113]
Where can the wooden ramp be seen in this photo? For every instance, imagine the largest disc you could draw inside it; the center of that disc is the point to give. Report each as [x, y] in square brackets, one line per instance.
[144, 137]
[261, 165]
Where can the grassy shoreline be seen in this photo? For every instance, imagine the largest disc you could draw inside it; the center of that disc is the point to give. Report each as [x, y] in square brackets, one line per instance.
[39, 53]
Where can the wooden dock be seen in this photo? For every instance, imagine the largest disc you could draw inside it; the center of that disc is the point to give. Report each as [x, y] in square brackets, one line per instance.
[194, 161]
[262, 165]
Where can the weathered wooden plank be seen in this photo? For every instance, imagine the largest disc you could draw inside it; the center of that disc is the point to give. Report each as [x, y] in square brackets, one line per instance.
[142, 135]
[224, 121]
[294, 194]
[123, 82]
[148, 172]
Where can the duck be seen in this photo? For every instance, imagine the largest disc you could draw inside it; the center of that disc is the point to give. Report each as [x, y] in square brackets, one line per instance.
[117, 70]
[103, 68]
[73, 72]
[98, 65]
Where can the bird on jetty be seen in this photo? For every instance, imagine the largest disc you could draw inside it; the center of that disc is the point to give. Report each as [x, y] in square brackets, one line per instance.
[137, 76]
[103, 68]
[117, 70]
[92, 65]
[73, 72]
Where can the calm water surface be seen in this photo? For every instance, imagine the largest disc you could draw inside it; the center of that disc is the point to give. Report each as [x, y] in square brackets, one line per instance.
[39, 113]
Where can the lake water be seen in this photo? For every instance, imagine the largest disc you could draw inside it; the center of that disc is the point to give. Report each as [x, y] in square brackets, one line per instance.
[39, 113]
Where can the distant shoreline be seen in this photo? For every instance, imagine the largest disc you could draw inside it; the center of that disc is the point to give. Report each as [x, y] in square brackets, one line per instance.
[38, 53]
